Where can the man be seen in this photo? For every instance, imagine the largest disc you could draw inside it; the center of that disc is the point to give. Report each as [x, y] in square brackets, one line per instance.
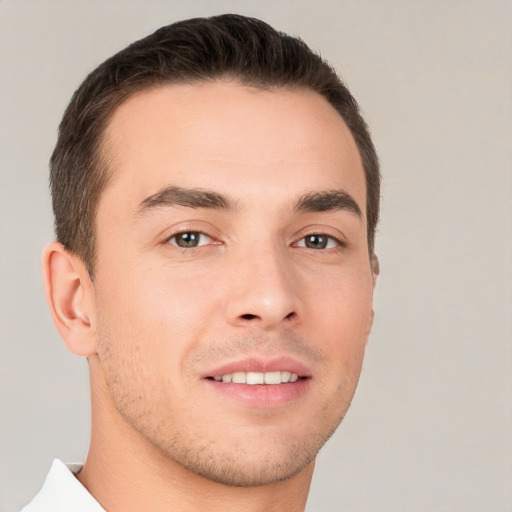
[216, 194]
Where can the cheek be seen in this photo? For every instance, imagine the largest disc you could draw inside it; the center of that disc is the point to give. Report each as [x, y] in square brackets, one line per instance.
[138, 348]
[343, 315]
[164, 314]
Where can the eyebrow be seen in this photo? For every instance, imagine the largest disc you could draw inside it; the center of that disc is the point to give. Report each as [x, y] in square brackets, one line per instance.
[330, 200]
[189, 197]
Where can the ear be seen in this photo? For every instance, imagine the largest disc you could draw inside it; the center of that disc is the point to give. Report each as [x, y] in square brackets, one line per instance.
[375, 270]
[375, 267]
[70, 297]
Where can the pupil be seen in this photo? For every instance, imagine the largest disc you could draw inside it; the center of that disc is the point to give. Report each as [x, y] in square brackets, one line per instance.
[187, 239]
[316, 242]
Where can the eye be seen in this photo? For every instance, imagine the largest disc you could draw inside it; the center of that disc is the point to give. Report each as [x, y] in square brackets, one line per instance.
[189, 239]
[318, 241]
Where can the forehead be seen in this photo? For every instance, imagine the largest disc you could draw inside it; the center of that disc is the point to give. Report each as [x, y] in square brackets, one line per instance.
[240, 140]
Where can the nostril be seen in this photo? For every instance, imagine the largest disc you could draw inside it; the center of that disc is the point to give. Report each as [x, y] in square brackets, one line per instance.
[248, 316]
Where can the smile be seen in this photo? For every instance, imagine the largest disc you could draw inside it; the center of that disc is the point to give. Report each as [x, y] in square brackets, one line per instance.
[258, 378]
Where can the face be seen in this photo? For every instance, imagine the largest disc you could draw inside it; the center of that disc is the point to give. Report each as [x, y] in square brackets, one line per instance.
[233, 285]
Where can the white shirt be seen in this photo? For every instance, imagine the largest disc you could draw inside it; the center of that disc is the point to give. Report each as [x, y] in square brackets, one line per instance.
[63, 492]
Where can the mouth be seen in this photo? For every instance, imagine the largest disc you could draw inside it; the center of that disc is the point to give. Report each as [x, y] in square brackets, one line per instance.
[261, 383]
[258, 378]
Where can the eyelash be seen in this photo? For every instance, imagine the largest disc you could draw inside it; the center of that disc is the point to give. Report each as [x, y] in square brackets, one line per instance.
[181, 233]
[331, 241]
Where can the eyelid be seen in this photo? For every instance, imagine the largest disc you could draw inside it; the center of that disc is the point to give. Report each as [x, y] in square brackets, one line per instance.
[331, 240]
[190, 226]
[208, 238]
[332, 233]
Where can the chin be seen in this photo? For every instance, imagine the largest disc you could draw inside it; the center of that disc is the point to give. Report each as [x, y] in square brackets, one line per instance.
[251, 464]
[240, 472]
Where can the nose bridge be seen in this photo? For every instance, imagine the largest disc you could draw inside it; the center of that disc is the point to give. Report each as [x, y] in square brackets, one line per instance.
[263, 289]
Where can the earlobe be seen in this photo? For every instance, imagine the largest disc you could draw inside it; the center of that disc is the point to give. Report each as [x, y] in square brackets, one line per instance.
[70, 297]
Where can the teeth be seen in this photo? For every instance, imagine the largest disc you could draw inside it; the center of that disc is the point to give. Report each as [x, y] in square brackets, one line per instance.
[239, 378]
[253, 378]
[272, 377]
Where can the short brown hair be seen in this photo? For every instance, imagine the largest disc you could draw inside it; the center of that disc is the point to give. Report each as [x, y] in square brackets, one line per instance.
[191, 51]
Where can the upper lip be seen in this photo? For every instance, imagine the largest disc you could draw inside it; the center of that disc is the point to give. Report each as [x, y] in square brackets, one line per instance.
[260, 365]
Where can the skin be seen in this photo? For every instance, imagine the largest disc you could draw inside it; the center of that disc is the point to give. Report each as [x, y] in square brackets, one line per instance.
[158, 318]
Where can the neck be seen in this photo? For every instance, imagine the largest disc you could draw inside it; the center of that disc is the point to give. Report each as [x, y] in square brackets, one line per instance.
[125, 472]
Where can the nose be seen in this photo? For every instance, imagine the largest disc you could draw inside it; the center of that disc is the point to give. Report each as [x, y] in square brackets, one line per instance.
[262, 290]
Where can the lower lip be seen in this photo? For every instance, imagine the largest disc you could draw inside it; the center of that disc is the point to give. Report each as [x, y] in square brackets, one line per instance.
[258, 395]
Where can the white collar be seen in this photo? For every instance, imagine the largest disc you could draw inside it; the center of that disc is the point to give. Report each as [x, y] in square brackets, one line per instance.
[62, 492]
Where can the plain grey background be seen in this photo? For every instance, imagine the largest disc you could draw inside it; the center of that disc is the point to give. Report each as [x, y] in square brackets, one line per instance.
[430, 426]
